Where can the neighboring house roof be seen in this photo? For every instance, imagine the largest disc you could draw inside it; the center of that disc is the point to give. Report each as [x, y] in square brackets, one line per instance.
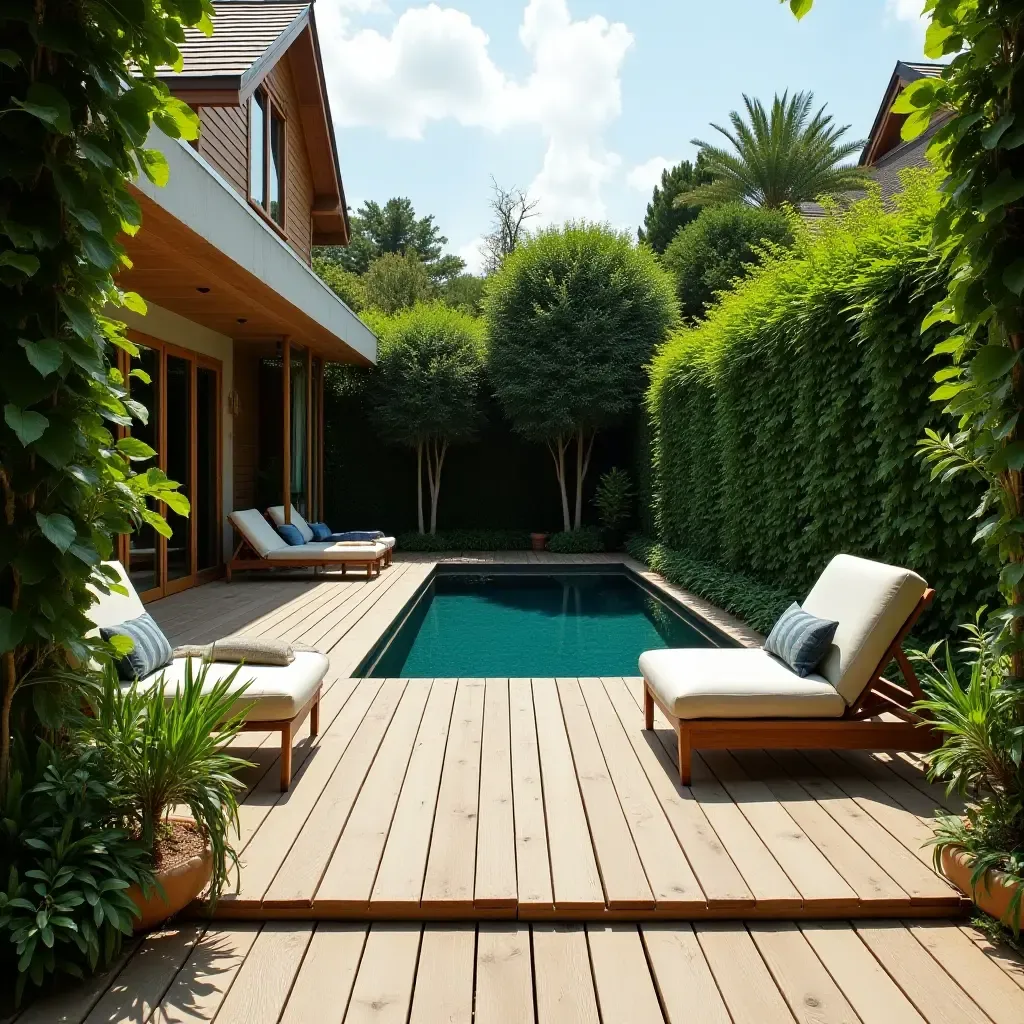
[223, 70]
[885, 132]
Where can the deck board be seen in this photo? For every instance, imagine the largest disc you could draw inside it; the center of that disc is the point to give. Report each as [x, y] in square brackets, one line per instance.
[541, 799]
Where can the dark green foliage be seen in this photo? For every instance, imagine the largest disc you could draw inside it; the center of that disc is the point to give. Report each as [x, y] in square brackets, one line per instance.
[757, 604]
[396, 281]
[786, 423]
[67, 862]
[393, 228]
[709, 253]
[466, 540]
[349, 287]
[614, 498]
[664, 218]
[583, 541]
[465, 292]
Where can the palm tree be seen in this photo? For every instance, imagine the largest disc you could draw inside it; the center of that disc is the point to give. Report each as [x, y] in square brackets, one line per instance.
[786, 156]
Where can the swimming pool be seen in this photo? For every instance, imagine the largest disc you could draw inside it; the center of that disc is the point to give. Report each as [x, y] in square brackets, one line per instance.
[533, 625]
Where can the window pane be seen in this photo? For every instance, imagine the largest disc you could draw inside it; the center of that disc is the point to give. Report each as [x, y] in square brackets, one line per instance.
[179, 458]
[276, 190]
[257, 126]
[298, 407]
[143, 563]
[204, 507]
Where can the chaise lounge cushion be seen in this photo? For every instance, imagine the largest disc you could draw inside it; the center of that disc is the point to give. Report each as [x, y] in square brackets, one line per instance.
[871, 601]
[257, 531]
[320, 532]
[328, 552]
[275, 692]
[736, 683]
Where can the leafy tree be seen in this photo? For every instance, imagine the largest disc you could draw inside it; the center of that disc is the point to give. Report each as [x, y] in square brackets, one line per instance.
[465, 292]
[347, 286]
[664, 217]
[427, 387]
[511, 208]
[396, 281]
[707, 255]
[394, 228]
[573, 317]
[787, 155]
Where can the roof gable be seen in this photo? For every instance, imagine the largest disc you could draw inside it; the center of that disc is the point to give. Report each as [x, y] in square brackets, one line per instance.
[885, 132]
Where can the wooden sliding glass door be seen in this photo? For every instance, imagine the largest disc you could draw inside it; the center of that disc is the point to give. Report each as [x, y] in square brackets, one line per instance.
[183, 396]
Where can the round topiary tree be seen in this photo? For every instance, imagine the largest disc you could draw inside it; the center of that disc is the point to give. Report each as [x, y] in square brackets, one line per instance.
[426, 389]
[573, 316]
[706, 256]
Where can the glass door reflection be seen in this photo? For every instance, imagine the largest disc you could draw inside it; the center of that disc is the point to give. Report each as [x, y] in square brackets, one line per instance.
[178, 464]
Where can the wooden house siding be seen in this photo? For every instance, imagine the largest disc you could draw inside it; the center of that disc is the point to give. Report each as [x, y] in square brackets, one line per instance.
[223, 141]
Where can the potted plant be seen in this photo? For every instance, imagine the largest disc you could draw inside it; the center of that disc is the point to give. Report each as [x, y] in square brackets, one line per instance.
[614, 501]
[538, 541]
[982, 853]
[168, 752]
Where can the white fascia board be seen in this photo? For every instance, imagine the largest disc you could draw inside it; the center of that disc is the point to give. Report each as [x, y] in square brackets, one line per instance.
[203, 201]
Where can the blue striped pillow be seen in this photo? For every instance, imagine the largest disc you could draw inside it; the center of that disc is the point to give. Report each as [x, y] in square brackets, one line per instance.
[800, 639]
[152, 649]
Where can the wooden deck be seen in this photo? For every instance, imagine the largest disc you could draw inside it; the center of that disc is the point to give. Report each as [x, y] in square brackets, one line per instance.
[542, 799]
[512, 973]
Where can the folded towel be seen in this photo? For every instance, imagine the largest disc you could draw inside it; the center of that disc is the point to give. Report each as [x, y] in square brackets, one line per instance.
[253, 650]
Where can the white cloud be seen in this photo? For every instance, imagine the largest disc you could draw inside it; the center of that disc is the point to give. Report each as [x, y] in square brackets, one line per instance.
[906, 10]
[643, 177]
[470, 252]
[436, 65]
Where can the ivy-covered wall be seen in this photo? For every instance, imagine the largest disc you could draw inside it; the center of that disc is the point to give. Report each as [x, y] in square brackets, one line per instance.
[785, 424]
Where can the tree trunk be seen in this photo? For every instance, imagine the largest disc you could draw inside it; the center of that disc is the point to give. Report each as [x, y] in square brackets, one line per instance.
[557, 450]
[436, 451]
[10, 685]
[1014, 484]
[583, 450]
[419, 486]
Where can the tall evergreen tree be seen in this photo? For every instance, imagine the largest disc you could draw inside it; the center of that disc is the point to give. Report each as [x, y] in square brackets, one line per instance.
[663, 217]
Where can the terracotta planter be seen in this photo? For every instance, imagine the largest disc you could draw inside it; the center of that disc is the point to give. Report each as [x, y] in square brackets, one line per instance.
[181, 882]
[994, 890]
[538, 541]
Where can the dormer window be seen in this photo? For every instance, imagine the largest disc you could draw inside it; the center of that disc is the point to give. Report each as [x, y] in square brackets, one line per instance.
[266, 156]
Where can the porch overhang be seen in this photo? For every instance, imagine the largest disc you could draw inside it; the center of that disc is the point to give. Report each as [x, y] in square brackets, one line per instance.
[203, 253]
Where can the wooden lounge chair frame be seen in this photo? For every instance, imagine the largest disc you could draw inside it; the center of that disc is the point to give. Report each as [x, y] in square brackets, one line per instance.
[288, 727]
[857, 729]
[247, 557]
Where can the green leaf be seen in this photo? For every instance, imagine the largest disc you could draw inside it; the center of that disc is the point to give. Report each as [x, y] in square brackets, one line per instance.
[935, 38]
[9, 58]
[916, 124]
[134, 301]
[123, 645]
[98, 250]
[12, 630]
[48, 104]
[134, 448]
[28, 424]
[1004, 190]
[800, 7]
[176, 502]
[915, 96]
[991, 362]
[990, 136]
[45, 355]
[23, 261]
[1013, 276]
[947, 391]
[158, 522]
[155, 166]
[57, 529]
[78, 313]
[177, 119]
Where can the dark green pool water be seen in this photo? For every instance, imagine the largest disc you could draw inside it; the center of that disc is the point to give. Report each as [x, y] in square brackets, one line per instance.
[532, 625]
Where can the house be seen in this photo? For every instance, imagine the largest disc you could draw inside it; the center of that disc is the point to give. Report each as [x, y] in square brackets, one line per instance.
[239, 328]
[885, 154]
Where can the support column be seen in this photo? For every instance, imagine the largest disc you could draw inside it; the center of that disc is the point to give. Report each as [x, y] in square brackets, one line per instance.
[310, 512]
[286, 461]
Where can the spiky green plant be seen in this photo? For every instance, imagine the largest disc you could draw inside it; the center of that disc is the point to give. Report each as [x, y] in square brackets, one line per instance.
[785, 155]
[980, 756]
[169, 750]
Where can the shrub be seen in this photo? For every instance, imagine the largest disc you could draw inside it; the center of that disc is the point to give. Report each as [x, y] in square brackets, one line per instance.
[573, 316]
[347, 285]
[465, 540]
[785, 424]
[396, 281]
[757, 604]
[707, 255]
[583, 541]
[614, 498]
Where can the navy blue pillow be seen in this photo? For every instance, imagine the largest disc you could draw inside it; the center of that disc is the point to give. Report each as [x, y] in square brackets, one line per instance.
[152, 649]
[290, 533]
[800, 639]
[321, 531]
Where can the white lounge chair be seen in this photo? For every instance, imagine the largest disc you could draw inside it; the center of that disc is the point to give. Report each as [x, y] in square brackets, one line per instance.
[276, 515]
[749, 699]
[278, 698]
[262, 547]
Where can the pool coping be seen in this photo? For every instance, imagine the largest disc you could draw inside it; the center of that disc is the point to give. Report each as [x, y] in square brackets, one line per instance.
[731, 631]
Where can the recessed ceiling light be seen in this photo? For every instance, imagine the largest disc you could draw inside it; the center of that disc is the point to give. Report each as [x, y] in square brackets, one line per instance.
[202, 291]
[242, 320]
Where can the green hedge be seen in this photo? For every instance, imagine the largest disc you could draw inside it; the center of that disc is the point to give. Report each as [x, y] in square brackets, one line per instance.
[576, 542]
[757, 604]
[465, 540]
[785, 424]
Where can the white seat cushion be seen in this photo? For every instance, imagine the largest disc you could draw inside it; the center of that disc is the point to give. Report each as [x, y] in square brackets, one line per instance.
[258, 532]
[328, 552]
[871, 601]
[276, 692]
[276, 513]
[736, 683]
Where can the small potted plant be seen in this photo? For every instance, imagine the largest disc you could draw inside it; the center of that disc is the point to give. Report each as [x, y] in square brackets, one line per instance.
[981, 853]
[614, 501]
[169, 751]
[538, 541]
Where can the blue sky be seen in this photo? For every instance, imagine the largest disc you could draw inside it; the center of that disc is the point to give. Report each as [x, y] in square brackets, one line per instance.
[579, 101]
